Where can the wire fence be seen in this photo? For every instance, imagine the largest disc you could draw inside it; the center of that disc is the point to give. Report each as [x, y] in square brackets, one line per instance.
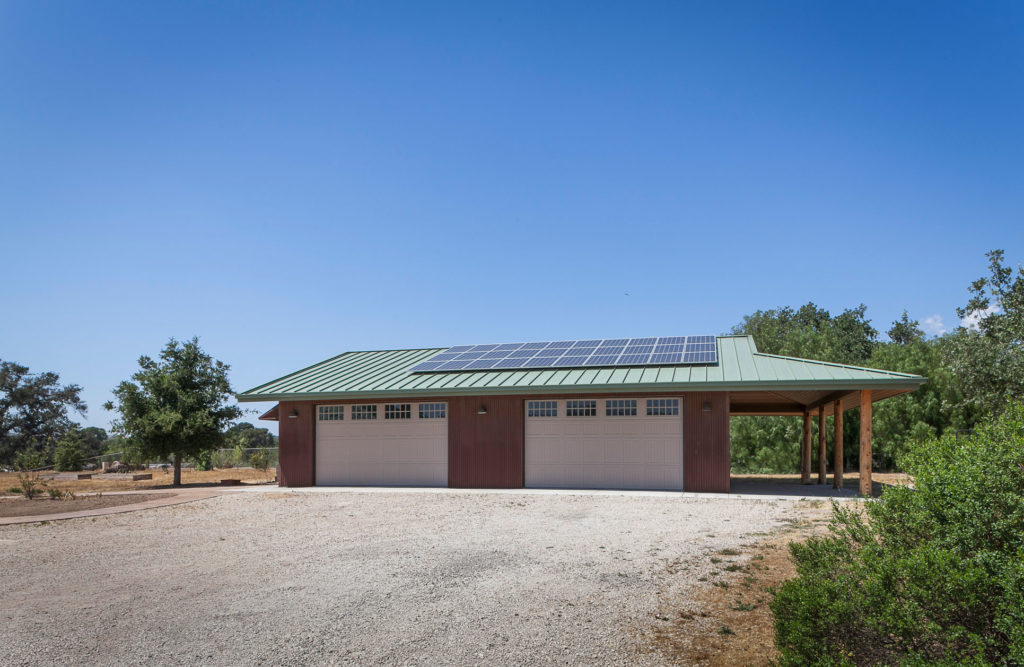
[238, 457]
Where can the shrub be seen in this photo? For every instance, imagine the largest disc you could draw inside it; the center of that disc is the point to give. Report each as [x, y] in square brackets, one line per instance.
[204, 460]
[29, 485]
[30, 460]
[55, 494]
[68, 455]
[259, 460]
[927, 575]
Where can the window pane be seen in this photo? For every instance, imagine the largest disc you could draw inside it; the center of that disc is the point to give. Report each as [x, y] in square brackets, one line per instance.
[542, 408]
[331, 413]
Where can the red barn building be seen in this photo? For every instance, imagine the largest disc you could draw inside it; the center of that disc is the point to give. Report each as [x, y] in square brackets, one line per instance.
[650, 413]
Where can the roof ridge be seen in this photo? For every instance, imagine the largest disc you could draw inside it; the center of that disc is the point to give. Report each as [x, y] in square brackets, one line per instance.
[398, 349]
[836, 365]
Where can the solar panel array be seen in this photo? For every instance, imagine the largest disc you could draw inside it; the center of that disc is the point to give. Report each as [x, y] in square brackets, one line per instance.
[575, 354]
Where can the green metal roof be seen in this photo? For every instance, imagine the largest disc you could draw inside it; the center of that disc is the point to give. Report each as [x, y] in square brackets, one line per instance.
[740, 367]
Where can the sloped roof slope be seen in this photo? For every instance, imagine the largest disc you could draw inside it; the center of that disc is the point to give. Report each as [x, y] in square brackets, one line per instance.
[740, 367]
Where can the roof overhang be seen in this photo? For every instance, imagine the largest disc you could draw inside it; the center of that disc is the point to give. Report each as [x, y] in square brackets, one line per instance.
[796, 403]
[776, 399]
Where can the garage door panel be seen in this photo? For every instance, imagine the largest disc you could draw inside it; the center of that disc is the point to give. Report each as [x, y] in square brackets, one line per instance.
[604, 451]
[382, 452]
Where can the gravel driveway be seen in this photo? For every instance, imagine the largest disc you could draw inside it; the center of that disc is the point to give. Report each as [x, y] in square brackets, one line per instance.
[395, 578]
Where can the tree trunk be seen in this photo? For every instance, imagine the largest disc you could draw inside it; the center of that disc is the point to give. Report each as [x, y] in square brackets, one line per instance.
[177, 470]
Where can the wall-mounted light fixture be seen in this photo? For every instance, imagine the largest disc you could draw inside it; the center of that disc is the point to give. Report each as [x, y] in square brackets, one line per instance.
[294, 414]
[707, 406]
[482, 410]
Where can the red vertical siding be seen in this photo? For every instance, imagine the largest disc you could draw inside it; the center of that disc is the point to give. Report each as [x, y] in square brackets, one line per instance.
[485, 451]
[296, 439]
[706, 442]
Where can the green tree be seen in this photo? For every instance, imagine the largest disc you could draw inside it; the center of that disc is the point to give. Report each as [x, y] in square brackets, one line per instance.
[905, 331]
[34, 410]
[987, 357]
[94, 441]
[771, 444]
[69, 455]
[810, 332]
[176, 406]
[901, 422]
[248, 436]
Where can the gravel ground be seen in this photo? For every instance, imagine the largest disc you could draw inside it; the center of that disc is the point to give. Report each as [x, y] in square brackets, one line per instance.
[393, 578]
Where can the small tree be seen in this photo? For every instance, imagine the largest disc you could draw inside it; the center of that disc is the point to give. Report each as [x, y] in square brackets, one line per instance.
[68, 455]
[30, 459]
[176, 406]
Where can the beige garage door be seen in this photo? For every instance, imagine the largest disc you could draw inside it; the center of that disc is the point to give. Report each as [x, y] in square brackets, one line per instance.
[620, 443]
[382, 444]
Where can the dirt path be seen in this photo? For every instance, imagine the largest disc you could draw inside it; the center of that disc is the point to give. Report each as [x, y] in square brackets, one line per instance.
[11, 507]
[726, 620]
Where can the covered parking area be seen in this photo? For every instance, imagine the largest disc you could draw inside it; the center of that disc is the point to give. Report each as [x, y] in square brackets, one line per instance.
[819, 405]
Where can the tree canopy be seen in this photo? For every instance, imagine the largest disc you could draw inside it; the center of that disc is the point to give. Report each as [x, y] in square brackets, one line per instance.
[175, 406]
[987, 355]
[247, 436]
[35, 410]
[771, 444]
[905, 331]
[811, 332]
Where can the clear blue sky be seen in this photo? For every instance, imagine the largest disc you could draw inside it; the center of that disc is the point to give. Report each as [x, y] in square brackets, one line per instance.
[289, 182]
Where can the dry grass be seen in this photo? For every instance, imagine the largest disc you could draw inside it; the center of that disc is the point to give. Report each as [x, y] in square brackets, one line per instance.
[851, 480]
[161, 480]
[730, 622]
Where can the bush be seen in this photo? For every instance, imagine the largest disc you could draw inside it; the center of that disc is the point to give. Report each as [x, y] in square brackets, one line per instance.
[259, 460]
[30, 460]
[927, 575]
[204, 460]
[29, 485]
[68, 455]
[238, 456]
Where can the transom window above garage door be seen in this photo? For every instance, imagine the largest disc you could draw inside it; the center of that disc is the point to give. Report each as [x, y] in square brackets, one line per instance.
[581, 408]
[364, 412]
[620, 407]
[433, 410]
[542, 408]
[332, 413]
[662, 406]
[398, 411]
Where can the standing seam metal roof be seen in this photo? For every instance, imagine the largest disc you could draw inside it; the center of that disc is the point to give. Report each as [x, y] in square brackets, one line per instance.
[740, 367]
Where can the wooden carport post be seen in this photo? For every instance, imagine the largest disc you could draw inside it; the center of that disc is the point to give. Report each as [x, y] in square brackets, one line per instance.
[822, 454]
[865, 442]
[805, 451]
[837, 445]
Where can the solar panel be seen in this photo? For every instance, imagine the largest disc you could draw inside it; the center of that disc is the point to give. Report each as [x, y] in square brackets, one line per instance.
[613, 352]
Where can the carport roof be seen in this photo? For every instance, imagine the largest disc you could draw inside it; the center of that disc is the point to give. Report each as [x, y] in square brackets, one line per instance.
[783, 385]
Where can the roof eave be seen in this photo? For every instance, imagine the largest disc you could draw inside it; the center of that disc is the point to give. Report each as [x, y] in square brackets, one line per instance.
[789, 385]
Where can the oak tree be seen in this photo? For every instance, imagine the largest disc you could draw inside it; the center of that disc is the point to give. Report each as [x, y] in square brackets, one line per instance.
[175, 406]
